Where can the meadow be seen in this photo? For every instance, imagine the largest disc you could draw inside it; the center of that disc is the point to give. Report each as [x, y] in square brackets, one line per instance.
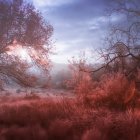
[109, 111]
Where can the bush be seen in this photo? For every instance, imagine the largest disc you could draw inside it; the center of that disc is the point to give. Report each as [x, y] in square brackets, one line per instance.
[115, 91]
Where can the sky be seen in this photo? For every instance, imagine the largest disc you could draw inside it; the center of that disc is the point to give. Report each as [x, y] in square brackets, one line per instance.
[79, 25]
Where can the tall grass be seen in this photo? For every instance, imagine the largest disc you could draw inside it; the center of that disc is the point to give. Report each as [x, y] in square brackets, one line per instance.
[107, 110]
[116, 91]
[65, 119]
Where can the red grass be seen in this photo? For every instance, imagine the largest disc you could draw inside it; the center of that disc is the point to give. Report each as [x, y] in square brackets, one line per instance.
[109, 111]
[49, 119]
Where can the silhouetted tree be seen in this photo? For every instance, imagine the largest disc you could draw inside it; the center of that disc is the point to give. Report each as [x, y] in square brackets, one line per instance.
[122, 53]
[21, 24]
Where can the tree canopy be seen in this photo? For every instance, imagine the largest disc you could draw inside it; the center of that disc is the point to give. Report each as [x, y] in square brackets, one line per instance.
[123, 51]
[21, 24]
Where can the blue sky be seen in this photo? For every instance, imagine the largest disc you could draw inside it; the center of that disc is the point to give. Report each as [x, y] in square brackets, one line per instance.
[78, 25]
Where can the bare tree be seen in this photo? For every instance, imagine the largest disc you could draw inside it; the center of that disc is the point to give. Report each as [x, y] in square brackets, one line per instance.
[20, 22]
[124, 40]
[122, 53]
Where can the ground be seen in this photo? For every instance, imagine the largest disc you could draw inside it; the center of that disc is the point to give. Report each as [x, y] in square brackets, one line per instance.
[48, 115]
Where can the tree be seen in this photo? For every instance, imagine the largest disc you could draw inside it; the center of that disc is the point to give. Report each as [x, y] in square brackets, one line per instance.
[21, 24]
[122, 53]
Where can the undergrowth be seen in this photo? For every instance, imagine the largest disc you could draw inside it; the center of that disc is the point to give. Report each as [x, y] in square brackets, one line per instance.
[109, 111]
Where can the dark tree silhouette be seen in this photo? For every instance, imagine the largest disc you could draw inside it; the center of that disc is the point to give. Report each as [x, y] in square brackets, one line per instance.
[22, 24]
[122, 53]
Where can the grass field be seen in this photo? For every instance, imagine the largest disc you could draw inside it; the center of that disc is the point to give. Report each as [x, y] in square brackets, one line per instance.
[107, 110]
[35, 118]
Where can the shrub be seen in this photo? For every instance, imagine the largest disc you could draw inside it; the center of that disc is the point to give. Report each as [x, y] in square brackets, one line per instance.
[115, 91]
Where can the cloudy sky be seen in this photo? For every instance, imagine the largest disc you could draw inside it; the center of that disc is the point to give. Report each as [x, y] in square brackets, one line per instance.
[78, 25]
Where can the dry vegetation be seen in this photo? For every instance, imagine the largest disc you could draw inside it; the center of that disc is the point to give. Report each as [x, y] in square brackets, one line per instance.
[103, 108]
[110, 111]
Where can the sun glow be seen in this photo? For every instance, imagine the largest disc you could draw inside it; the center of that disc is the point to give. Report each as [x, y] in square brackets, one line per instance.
[22, 53]
[19, 51]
